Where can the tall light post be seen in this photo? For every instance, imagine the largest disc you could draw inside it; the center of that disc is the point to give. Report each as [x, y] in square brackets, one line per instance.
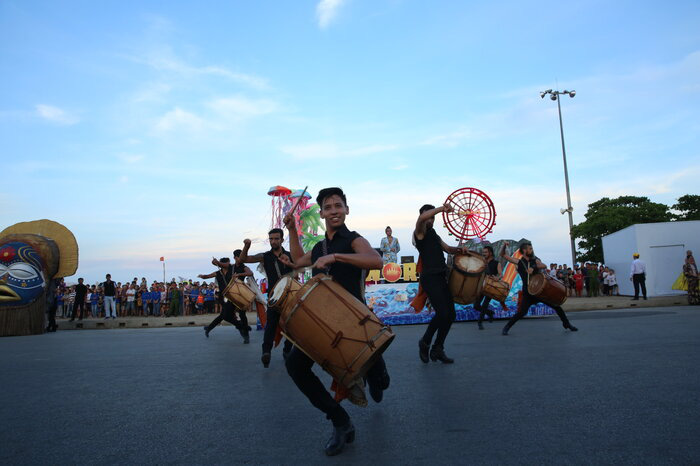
[555, 95]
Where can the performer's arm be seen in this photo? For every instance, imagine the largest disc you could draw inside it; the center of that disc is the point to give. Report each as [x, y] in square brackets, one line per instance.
[244, 254]
[500, 270]
[209, 275]
[246, 273]
[452, 249]
[364, 257]
[507, 256]
[539, 264]
[419, 232]
[300, 259]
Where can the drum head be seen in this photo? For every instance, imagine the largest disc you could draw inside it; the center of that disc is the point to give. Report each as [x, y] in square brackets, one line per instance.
[279, 289]
[537, 282]
[470, 263]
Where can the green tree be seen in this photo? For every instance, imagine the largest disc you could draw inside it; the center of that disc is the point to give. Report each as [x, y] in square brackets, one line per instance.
[607, 216]
[688, 207]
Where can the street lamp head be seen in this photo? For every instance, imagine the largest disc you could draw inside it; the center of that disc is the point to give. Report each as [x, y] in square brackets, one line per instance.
[553, 97]
[572, 94]
[542, 94]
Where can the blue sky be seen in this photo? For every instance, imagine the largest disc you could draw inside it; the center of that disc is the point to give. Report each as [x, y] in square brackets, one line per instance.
[155, 128]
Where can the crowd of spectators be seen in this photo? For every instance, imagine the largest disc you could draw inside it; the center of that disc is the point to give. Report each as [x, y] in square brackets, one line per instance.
[594, 279]
[137, 299]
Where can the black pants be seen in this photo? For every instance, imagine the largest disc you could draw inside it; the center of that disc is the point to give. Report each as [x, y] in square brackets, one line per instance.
[482, 305]
[299, 369]
[79, 304]
[51, 317]
[228, 313]
[435, 285]
[273, 318]
[529, 300]
[639, 280]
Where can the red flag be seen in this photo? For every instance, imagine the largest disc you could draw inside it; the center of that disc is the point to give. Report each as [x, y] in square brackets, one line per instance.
[162, 259]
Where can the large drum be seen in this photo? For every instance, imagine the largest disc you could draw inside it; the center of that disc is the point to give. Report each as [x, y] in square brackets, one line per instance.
[333, 328]
[496, 288]
[466, 277]
[549, 290]
[239, 294]
[283, 293]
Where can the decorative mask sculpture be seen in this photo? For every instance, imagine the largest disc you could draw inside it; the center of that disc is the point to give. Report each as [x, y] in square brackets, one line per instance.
[32, 256]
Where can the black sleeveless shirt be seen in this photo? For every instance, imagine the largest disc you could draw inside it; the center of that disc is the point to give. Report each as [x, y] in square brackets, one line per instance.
[274, 269]
[348, 276]
[523, 265]
[240, 268]
[492, 267]
[223, 279]
[431, 253]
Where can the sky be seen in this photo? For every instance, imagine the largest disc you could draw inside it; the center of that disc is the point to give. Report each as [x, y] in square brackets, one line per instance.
[155, 128]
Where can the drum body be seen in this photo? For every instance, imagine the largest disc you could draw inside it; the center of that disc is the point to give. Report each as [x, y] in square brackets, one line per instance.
[466, 277]
[239, 294]
[283, 293]
[549, 290]
[335, 329]
[495, 288]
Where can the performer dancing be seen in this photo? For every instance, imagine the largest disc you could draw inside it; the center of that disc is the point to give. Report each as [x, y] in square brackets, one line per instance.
[493, 268]
[274, 270]
[528, 265]
[344, 255]
[224, 275]
[433, 279]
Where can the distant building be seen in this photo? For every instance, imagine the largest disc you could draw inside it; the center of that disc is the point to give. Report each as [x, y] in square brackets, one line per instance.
[661, 246]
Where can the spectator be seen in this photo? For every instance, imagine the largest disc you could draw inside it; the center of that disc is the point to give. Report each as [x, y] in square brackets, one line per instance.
[109, 290]
[174, 297]
[59, 301]
[94, 301]
[145, 299]
[131, 300]
[209, 299]
[593, 280]
[390, 247]
[578, 279]
[638, 276]
[155, 300]
[79, 300]
[71, 300]
[586, 280]
[612, 282]
[690, 270]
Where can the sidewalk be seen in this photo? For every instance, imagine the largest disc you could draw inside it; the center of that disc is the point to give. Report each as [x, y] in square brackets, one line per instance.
[571, 305]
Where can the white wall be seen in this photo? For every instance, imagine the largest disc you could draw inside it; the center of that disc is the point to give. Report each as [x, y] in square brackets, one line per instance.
[661, 246]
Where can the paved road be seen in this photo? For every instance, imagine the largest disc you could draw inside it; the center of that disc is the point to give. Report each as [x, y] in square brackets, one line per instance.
[625, 389]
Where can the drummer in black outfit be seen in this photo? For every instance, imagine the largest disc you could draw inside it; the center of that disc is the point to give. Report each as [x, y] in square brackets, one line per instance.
[493, 268]
[224, 275]
[433, 279]
[344, 255]
[274, 270]
[529, 265]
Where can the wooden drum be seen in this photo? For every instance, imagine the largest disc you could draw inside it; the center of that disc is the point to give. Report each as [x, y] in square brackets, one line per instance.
[549, 290]
[239, 294]
[466, 277]
[334, 329]
[495, 288]
[283, 293]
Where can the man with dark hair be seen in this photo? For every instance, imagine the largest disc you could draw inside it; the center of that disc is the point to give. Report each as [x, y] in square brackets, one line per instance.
[274, 270]
[433, 279]
[109, 290]
[527, 265]
[224, 275]
[344, 255]
[493, 268]
[80, 294]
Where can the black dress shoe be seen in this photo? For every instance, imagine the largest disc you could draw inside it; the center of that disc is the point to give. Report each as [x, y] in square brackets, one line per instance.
[571, 327]
[377, 385]
[423, 350]
[341, 436]
[285, 355]
[265, 359]
[206, 331]
[437, 353]
[505, 331]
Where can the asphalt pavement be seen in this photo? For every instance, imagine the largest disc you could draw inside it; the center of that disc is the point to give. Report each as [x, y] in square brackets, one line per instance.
[625, 389]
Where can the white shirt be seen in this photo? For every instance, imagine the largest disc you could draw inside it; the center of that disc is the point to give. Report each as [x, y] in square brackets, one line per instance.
[638, 267]
[612, 280]
[130, 295]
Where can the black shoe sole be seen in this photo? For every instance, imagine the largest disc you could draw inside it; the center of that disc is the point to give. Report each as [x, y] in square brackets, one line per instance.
[423, 354]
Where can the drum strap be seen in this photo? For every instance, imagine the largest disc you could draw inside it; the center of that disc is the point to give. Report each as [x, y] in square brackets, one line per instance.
[363, 274]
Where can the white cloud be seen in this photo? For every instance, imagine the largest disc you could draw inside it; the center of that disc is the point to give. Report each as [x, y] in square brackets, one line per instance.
[130, 158]
[329, 150]
[55, 115]
[178, 119]
[239, 107]
[327, 11]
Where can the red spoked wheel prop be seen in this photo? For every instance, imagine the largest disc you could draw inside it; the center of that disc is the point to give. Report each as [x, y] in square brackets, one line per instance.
[474, 214]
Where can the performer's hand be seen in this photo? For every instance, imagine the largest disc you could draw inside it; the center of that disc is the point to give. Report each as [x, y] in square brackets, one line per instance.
[283, 258]
[447, 208]
[290, 222]
[200, 276]
[324, 262]
[214, 262]
[463, 250]
[246, 242]
[529, 270]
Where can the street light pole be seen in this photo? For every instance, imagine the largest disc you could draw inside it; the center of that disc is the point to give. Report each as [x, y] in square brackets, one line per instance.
[555, 95]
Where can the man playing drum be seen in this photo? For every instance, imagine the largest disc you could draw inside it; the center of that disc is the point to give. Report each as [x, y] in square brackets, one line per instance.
[274, 270]
[344, 255]
[433, 280]
[529, 265]
[224, 275]
[494, 269]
